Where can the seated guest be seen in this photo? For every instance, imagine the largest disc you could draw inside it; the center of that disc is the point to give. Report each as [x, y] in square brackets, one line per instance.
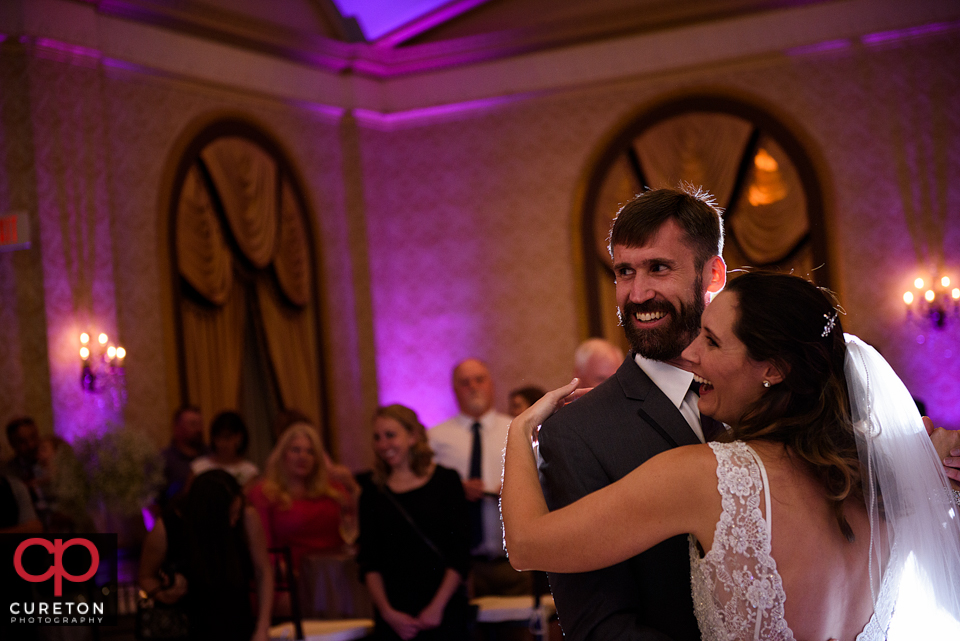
[521, 399]
[186, 444]
[204, 554]
[299, 503]
[414, 543]
[229, 439]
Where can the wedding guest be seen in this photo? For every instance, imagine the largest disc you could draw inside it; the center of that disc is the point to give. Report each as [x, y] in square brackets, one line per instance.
[186, 444]
[413, 534]
[203, 554]
[229, 439]
[299, 503]
[471, 442]
[61, 513]
[24, 438]
[596, 360]
[522, 398]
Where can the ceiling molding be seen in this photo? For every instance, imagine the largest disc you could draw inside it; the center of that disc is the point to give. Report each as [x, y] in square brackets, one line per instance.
[392, 82]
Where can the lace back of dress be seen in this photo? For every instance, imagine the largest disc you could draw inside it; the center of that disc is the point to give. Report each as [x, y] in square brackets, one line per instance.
[737, 590]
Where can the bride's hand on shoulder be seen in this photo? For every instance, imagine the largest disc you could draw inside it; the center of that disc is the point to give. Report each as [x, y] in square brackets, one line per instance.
[533, 416]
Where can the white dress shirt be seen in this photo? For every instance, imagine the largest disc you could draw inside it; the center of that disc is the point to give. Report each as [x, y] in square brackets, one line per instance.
[675, 384]
[452, 442]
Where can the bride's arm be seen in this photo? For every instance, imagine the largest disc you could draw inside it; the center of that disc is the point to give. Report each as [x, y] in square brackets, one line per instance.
[672, 493]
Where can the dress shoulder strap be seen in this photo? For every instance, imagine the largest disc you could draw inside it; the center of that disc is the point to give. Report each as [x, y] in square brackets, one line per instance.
[768, 516]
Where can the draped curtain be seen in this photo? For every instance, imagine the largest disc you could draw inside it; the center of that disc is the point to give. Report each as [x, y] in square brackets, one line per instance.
[262, 216]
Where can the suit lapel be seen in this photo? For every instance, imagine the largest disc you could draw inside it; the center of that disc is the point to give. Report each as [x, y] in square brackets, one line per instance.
[653, 405]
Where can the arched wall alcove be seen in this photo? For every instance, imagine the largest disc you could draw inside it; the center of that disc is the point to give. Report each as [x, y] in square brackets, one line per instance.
[239, 244]
[754, 164]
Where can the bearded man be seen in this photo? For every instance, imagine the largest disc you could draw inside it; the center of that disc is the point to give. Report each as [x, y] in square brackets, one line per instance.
[666, 246]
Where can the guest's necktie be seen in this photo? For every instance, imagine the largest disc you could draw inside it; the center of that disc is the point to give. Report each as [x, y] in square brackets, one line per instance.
[710, 427]
[476, 507]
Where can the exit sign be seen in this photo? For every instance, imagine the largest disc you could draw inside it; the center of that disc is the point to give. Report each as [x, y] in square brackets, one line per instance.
[14, 231]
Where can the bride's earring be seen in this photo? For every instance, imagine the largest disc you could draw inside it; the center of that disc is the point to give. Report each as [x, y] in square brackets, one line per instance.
[766, 383]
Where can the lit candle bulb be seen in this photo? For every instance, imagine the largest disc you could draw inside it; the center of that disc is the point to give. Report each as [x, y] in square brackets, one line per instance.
[103, 339]
[111, 352]
[955, 293]
[84, 353]
[945, 281]
[918, 283]
[908, 298]
[929, 295]
[121, 353]
[84, 338]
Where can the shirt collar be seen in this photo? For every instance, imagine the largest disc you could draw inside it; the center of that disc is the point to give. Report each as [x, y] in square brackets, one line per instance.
[469, 420]
[672, 381]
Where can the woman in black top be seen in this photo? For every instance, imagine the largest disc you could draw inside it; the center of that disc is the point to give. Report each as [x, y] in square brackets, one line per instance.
[413, 534]
[204, 553]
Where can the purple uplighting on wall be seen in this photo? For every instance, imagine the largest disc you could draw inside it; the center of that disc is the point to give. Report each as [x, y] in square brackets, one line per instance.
[65, 52]
[420, 357]
[912, 32]
[376, 118]
[820, 47]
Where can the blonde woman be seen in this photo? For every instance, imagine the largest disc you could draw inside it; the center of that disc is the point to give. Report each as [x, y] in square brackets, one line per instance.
[304, 501]
[413, 534]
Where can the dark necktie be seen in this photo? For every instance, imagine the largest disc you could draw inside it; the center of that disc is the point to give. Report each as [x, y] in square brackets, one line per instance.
[711, 428]
[476, 507]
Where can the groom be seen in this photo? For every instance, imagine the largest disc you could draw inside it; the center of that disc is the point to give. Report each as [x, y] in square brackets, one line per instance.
[666, 248]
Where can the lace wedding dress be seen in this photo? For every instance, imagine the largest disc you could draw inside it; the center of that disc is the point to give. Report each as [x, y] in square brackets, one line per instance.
[737, 591]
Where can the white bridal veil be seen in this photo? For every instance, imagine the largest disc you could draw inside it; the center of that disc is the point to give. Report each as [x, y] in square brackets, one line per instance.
[914, 521]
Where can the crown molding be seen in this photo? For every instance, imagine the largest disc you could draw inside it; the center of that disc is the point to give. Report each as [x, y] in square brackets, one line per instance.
[402, 85]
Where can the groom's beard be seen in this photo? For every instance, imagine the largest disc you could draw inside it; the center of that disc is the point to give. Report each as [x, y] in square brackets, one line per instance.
[666, 342]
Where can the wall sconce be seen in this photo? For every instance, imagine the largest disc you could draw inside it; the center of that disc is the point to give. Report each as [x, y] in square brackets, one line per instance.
[934, 302]
[102, 366]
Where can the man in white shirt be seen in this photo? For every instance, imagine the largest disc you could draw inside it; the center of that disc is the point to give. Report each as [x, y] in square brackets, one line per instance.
[472, 444]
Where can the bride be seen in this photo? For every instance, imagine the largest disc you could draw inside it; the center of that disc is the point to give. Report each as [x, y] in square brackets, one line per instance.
[824, 497]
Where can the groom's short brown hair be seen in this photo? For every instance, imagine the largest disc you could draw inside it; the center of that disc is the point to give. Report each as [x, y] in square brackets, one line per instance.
[693, 209]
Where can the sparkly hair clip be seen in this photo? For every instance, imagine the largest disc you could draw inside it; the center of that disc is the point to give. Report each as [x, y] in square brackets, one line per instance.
[828, 326]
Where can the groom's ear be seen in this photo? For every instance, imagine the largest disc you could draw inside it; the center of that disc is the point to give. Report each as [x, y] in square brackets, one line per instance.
[715, 275]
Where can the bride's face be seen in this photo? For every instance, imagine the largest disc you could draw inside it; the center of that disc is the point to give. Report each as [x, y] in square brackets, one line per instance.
[735, 380]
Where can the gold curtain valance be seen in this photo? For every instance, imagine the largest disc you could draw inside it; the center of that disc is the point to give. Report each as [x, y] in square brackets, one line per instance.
[203, 257]
[292, 262]
[245, 177]
[769, 224]
[701, 149]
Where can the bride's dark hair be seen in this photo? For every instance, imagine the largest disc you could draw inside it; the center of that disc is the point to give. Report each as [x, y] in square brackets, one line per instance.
[786, 320]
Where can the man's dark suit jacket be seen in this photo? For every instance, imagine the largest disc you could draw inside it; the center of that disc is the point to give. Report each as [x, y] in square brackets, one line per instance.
[585, 446]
